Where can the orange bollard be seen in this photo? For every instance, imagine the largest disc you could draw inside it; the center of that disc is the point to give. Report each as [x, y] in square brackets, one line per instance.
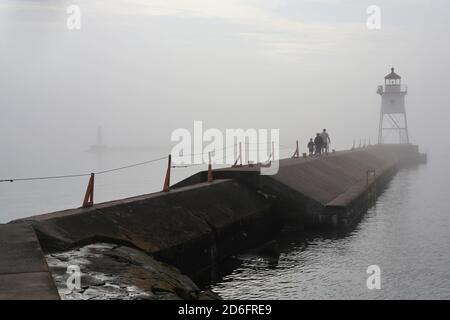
[89, 196]
[239, 158]
[297, 152]
[166, 187]
[210, 175]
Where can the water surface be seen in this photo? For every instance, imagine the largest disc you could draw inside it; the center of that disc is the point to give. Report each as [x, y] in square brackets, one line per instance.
[407, 234]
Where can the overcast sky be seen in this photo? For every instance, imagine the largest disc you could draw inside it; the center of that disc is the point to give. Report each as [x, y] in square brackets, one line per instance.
[142, 68]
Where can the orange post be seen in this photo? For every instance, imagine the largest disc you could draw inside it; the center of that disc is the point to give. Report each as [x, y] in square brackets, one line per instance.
[210, 175]
[239, 158]
[89, 196]
[272, 156]
[166, 187]
[297, 152]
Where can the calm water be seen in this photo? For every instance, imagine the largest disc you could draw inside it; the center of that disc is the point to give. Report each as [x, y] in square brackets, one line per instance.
[407, 234]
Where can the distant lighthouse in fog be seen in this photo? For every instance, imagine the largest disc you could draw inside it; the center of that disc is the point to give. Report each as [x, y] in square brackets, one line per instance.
[393, 127]
[99, 147]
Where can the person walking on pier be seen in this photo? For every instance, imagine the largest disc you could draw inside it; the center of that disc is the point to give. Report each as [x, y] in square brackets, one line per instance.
[318, 144]
[325, 140]
[311, 147]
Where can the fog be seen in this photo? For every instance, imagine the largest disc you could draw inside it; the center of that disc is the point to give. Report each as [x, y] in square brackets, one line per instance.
[141, 69]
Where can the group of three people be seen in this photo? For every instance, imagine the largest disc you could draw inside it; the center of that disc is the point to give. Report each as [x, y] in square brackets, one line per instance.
[320, 144]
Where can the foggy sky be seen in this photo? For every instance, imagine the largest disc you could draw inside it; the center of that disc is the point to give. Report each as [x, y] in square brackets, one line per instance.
[144, 68]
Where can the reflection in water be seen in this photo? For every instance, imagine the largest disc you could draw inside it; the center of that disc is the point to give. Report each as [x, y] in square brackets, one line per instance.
[406, 234]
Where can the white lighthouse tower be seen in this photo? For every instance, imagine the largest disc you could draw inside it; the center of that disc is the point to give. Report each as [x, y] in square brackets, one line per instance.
[393, 127]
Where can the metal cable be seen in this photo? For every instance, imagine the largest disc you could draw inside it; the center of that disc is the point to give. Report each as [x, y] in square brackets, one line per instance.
[131, 165]
[46, 177]
[119, 168]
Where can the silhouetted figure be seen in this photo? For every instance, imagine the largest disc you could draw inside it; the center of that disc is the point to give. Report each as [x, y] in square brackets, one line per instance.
[318, 144]
[311, 147]
[325, 140]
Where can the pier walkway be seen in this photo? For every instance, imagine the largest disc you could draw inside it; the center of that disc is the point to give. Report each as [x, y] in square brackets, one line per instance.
[24, 273]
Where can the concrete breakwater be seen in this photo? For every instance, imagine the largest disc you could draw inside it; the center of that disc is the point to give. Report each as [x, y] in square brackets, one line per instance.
[324, 192]
[198, 224]
[191, 228]
[334, 191]
[208, 221]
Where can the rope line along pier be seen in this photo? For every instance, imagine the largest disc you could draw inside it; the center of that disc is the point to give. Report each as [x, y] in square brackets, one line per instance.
[88, 200]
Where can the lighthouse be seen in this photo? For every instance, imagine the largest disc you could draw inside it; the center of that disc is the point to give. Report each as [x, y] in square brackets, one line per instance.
[393, 126]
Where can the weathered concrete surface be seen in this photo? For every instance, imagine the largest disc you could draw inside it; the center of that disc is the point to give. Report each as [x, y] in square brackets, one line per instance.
[24, 274]
[189, 227]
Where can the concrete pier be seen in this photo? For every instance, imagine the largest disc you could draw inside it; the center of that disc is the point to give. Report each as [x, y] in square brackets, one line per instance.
[198, 223]
[208, 221]
[334, 190]
[330, 191]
